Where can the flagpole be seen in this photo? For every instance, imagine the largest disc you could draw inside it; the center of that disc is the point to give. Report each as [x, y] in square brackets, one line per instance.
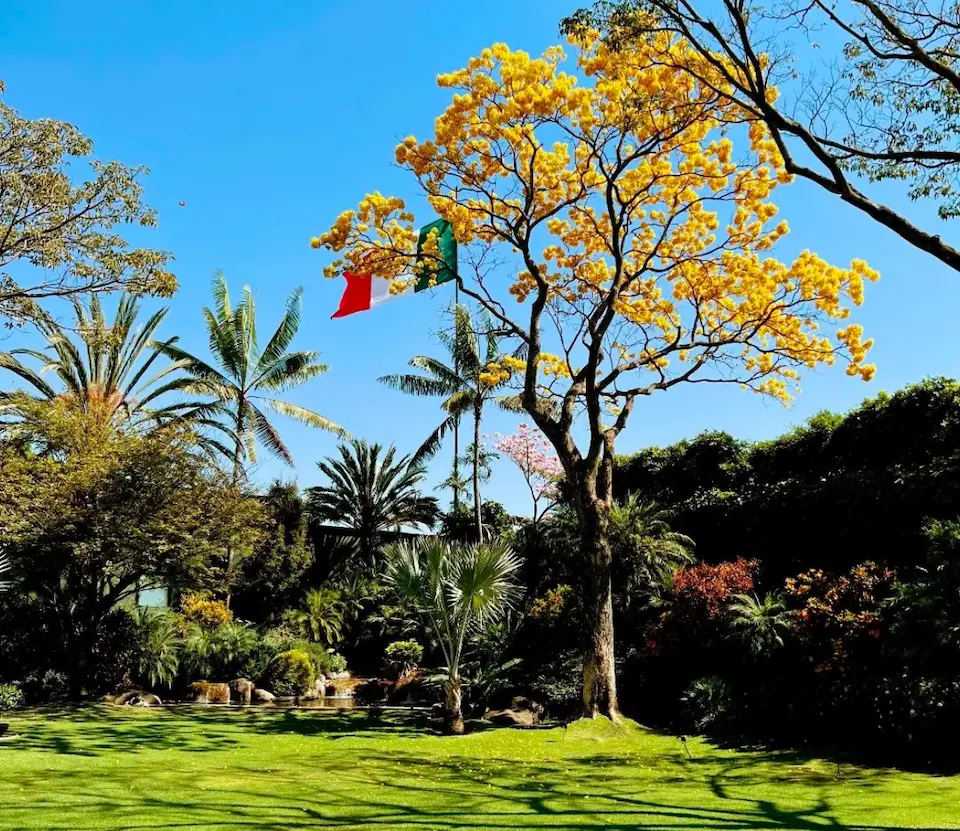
[456, 421]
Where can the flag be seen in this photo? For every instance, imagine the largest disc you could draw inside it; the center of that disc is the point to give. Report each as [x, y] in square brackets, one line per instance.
[364, 291]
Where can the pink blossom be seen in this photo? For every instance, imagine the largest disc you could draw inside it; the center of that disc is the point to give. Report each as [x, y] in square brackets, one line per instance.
[532, 453]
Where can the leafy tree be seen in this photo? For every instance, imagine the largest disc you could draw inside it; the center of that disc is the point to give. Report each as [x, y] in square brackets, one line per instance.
[66, 231]
[654, 271]
[459, 590]
[532, 453]
[90, 515]
[371, 492]
[884, 111]
[322, 616]
[249, 376]
[761, 622]
[465, 385]
[645, 549]
[272, 575]
[107, 370]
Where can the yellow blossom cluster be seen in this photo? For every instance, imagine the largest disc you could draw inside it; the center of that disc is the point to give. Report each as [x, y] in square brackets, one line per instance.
[623, 192]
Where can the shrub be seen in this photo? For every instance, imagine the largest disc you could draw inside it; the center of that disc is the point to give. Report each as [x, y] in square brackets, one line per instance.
[200, 608]
[50, 687]
[160, 644]
[290, 673]
[284, 638]
[11, 697]
[402, 657]
[225, 652]
[707, 703]
[115, 656]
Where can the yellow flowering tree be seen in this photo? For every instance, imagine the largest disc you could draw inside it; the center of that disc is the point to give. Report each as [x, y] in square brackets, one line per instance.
[610, 228]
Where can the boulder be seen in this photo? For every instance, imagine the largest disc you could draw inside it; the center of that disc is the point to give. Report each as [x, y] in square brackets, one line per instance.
[241, 690]
[203, 692]
[137, 698]
[522, 712]
[263, 696]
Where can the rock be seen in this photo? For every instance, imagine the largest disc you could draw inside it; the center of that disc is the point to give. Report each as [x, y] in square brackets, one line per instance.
[136, 698]
[522, 712]
[204, 692]
[241, 690]
[263, 696]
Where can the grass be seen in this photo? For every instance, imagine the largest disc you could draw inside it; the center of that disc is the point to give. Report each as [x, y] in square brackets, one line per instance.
[204, 769]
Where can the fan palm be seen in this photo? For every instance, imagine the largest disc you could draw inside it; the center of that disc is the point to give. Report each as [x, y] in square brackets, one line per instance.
[464, 387]
[761, 622]
[459, 590]
[241, 388]
[107, 369]
[370, 491]
[646, 549]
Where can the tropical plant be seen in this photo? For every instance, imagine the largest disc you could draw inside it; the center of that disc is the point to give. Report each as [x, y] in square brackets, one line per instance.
[370, 491]
[107, 369]
[466, 385]
[249, 376]
[321, 618]
[225, 651]
[402, 657]
[707, 702]
[160, 645]
[460, 590]
[646, 551]
[761, 622]
[4, 569]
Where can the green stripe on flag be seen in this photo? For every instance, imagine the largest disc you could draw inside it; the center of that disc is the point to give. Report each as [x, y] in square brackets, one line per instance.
[436, 273]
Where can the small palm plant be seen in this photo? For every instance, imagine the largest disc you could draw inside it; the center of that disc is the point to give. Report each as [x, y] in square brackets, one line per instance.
[647, 550]
[460, 590]
[160, 644]
[761, 622]
[321, 618]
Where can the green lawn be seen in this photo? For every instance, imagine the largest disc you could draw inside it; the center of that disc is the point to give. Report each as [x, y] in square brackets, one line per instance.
[110, 768]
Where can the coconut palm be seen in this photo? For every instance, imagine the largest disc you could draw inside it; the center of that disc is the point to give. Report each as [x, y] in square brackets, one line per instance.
[761, 622]
[370, 491]
[459, 590]
[465, 387]
[107, 368]
[248, 376]
[647, 551]
[321, 617]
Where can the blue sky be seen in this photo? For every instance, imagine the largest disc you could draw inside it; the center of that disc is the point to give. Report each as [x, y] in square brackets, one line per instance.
[269, 119]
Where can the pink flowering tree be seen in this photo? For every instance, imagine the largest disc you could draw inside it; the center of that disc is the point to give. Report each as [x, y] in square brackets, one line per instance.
[530, 451]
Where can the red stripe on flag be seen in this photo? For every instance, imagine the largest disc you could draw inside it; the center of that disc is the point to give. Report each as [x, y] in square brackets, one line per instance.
[356, 296]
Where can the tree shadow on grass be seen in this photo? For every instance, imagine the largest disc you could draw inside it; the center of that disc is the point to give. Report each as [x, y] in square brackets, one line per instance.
[94, 730]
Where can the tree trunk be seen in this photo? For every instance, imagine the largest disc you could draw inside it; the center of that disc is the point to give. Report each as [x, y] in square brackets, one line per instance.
[599, 672]
[477, 516]
[456, 465]
[452, 712]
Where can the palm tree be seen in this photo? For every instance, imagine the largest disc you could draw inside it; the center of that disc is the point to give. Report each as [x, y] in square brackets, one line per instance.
[322, 616]
[248, 375]
[4, 568]
[370, 491]
[761, 622]
[464, 388]
[107, 369]
[459, 590]
[646, 549]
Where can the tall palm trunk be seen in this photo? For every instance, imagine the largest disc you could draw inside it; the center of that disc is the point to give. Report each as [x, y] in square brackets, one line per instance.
[478, 520]
[235, 481]
[456, 465]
